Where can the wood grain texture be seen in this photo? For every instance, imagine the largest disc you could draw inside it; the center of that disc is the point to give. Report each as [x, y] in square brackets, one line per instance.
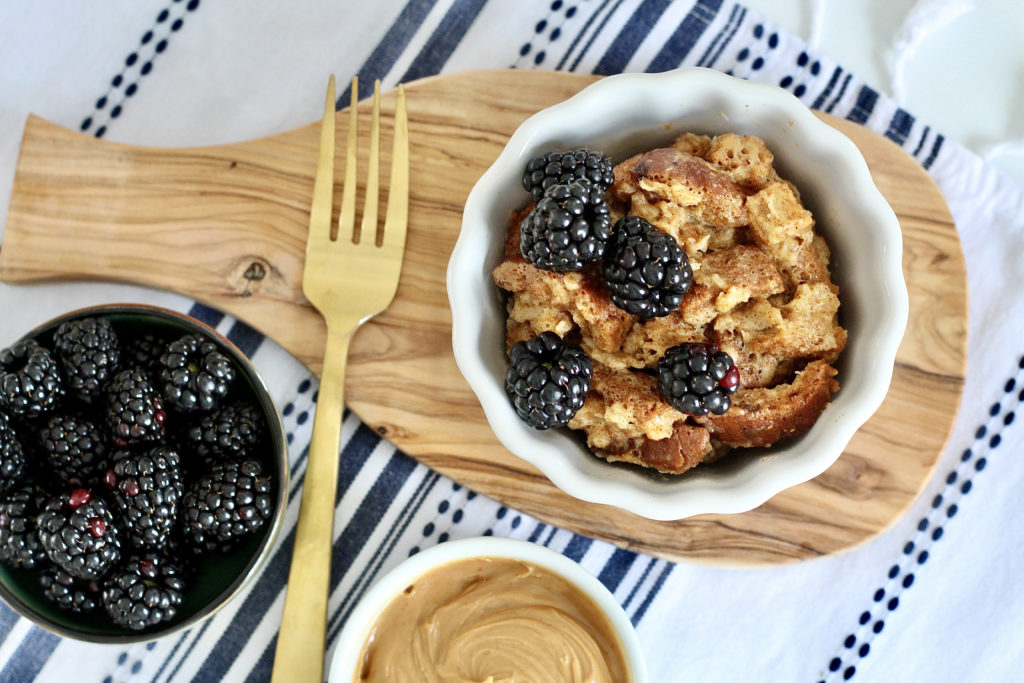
[227, 225]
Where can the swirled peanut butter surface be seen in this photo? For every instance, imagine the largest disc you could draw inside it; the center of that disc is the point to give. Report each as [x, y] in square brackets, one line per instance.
[492, 620]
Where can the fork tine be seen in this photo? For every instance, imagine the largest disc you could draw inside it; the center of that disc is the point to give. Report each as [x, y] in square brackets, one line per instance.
[323, 183]
[347, 217]
[397, 219]
[368, 230]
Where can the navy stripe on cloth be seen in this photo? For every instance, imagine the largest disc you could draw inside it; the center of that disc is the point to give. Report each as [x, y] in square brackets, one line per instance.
[389, 49]
[723, 37]
[935, 151]
[616, 567]
[920, 144]
[594, 35]
[829, 87]
[629, 38]
[839, 95]
[245, 338]
[383, 552]
[445, 38]
[353, 544]
[259, 672]
[686, 35]
[577, 547]
[205, 314]
[641, 610]
[8, 618]
[579, 36]
[866, 101]
[900, 126]
[30, 657]
[639, 582]
[537, 531]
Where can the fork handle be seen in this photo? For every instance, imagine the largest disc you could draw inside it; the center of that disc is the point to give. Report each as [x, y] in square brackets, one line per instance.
[301, 642]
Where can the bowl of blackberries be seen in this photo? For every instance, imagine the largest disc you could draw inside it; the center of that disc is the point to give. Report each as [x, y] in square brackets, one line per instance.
[143, 473]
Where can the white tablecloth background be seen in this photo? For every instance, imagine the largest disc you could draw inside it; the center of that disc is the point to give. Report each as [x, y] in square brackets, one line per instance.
[935, 598]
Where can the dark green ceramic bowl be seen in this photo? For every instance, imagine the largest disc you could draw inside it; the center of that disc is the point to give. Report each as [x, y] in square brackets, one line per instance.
[218, 577]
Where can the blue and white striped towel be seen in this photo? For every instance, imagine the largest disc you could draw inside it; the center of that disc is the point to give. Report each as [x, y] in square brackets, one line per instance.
[935, 598]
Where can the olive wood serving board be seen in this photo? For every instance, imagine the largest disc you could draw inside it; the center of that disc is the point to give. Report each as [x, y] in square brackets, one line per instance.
[227, 225]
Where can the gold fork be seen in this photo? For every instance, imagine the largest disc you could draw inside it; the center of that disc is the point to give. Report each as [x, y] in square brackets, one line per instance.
[348, 282]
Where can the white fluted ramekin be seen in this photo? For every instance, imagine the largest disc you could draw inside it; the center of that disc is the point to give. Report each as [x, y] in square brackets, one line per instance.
[625, 114]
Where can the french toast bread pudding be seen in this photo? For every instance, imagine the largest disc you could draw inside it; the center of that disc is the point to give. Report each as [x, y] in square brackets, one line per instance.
[707, 320]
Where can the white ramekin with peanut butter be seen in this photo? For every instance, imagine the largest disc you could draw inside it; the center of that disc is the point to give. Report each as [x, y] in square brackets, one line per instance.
[488, 609]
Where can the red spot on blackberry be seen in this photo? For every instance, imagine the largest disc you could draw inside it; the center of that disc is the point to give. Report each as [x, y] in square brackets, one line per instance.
[97, 527]
[731, 379]
[159, 416]
[130, 487]
[148, 569]
[79, 497]
[110, 479]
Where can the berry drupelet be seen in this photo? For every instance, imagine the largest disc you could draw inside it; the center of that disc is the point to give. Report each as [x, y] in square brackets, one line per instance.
[568, 228]
[697, 378]
[232, 431]
[561, 167]
[75, 447]
[79, 534]
[148, 590]
[547, 380]
[229, 503]
[144, 351]
[147, 489]
[88, 350]
[134, 409]
[30, 382]
[12, 455]
[19, 539]
[194, 374]
[70, 593]
[647, 271]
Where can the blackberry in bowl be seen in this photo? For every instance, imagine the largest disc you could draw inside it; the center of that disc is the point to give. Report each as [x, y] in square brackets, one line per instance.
[93, 533]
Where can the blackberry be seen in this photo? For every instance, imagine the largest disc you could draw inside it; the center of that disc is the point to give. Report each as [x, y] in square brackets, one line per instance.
[148, 590]
[89, 352]
[79, 534]
[230, 502]
[147, 489]
[12, 455]
[697, 378]
[144, 352]
[561, 167]
[19, 540]
[233, 431]
[568, 228]
[30, 383]
[134, 409]
[75, 447]
[194, 374]
[646, 270]
[70, 593]
[547, 380]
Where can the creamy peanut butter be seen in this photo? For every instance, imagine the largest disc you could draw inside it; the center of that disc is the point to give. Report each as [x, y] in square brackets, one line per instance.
[492, 620]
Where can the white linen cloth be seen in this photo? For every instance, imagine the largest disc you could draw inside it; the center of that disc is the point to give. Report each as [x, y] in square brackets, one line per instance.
[935, 598]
